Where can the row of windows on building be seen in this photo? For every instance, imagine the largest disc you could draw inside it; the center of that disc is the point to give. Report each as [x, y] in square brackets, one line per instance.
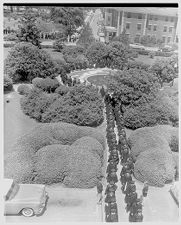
[170, 29]
[142, 16]
[138, 36]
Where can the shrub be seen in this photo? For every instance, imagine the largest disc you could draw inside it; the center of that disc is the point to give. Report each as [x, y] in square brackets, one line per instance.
[8, 84]
[49, 85]
[147, 138]
[47, 155]
[137, 65]
[161, 110]
[90, 144]
[36, 103]
[163, 54]
[72, 52]
[62, 90]
[58, 45]
[151, 55]
[11, 37]
[134, 54]
[155, 166]
[143, 52]
[85, 169]
[19, 166]
[25, 62]
[24, 89]
[133, 87]
[81, 105]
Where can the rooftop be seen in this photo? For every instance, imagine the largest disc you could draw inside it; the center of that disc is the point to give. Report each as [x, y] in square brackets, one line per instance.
[150, 10]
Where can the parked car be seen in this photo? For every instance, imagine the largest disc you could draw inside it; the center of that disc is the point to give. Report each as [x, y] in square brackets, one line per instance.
[25, 199]
[137, 46]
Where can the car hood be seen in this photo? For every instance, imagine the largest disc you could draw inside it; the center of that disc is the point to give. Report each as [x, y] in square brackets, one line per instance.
[30, 192]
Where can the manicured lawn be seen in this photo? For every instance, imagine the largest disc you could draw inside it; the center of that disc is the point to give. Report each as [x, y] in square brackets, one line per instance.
[147, 60]
[98, 80]
[54, 55]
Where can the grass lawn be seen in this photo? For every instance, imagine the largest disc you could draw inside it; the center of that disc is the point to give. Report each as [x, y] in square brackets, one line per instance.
[54, 55]
[98, 80]
[147, 60]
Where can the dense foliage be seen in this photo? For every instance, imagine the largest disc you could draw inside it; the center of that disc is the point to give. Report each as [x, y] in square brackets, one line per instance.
[28, 31]
[80, 105]
[165, 70]
[8, 84]
[69, 17]
[25, 62]
[23, 89]
[123, 38]
[151, 147]
[115, 55]
[47, 84]
[62, 156]
[86, 37]
[133, 87]
[161, 110]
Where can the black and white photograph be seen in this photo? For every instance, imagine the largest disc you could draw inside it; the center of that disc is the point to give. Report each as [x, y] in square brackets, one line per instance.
[90, 112]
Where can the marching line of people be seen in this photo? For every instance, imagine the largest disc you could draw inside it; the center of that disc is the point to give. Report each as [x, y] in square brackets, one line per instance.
[120, 150]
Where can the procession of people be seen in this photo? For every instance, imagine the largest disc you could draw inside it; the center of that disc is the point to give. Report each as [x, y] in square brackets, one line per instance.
[119, 153]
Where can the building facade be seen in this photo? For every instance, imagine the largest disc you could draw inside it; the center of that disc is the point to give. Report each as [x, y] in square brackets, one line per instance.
[160, 23]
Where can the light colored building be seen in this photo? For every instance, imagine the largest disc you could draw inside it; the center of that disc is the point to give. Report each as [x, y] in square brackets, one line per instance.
[139, 21]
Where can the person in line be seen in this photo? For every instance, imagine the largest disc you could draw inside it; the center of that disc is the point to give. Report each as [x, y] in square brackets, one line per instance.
[99, 192]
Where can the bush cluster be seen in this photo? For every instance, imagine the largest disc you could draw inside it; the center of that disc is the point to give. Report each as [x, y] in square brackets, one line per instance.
[151, 148]
[8, 84]
[57, 153]
[80, 105]
[161, 110]
[47, 84]
[24, 89]
[26, 61]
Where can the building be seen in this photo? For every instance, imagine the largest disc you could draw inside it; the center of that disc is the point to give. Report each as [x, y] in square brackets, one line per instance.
[160, 23]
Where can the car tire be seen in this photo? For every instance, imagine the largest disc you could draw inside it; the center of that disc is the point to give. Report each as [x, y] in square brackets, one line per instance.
[27, 212]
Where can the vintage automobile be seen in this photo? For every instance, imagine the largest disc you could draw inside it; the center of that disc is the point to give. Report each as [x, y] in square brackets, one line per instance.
[25, 199]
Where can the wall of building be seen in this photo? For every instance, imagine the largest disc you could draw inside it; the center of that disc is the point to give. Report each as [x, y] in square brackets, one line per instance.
[159, 21]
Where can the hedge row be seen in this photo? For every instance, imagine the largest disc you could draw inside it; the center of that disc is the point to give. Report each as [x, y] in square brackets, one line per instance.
[57, 153]
[151, 148]
[80, 105]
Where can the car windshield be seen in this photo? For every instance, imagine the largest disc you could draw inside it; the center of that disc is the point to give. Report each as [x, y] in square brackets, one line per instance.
[12, 191]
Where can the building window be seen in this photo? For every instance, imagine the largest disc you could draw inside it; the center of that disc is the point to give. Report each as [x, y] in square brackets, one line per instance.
[149, 27]
[109, 18]
[163, 39]
[127, 25]
[165, 29]
[154, 27]
[166, 19]
[168, 39]
[138, 26]
[156, 18]
[128, 36]
[140, 16]
[151, 17]
[137, 38]
[128, 15]
[170, 29]
[172, 19]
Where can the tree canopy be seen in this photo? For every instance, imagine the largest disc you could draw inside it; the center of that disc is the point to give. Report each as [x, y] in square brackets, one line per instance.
[70, 17]
[86, 37]
[28, 31]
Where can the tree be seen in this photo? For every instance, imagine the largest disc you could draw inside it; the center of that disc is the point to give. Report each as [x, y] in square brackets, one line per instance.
[25, 62]
[70, 17]
[86, 37]
[123, 38]
[29, 31]
[118, 54]
[97, 54]
[165, 70]
[133, 87]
